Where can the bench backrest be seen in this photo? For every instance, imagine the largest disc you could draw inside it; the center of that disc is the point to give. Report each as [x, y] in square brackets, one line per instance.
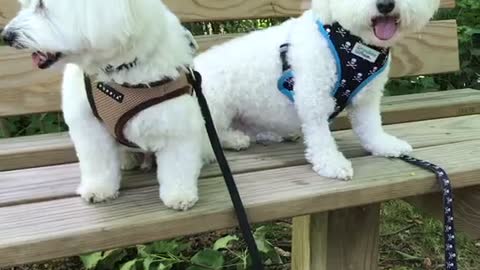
[26, 90]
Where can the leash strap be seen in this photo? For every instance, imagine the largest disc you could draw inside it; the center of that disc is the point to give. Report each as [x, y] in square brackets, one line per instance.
[449, 233]
[196, 81]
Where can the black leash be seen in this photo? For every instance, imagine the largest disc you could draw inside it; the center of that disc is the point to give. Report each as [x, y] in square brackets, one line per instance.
[446, 185]
[196, 81]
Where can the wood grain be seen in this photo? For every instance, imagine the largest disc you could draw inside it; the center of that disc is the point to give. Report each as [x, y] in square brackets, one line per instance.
[26, 90]
[64, 227]
[209, 10]
[467, 212]
[353, 236]
[52, 149]
[310, 242]
[41, 184]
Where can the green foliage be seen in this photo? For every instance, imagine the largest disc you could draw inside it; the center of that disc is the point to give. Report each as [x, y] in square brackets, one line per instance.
[227, 253]
[30, 125]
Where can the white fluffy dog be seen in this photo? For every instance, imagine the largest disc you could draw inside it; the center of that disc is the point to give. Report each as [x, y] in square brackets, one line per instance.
[95, 34]
[240, 80]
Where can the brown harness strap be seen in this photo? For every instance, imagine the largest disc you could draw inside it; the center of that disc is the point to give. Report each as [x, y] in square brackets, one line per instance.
[116, 104]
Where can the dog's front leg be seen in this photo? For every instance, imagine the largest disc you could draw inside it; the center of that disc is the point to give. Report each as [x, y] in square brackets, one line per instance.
[179, 164]
[314, 107]
[366, 121]
[96, 149]
[99, 160]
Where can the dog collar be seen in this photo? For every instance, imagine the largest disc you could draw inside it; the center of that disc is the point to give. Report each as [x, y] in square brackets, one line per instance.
[357, 65]
[109, 69]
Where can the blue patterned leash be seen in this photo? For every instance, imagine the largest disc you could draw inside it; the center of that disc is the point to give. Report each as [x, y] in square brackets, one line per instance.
[446, 184]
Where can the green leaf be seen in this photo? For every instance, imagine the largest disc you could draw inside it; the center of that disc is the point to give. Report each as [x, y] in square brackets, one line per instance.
[130, 265]
[260, 239]
[145, 251]
[207, 260]
[264, 246]
[224, 242]
[90, 261]
[174, 247]
[147, 263]
[111, 258]
[164, 267]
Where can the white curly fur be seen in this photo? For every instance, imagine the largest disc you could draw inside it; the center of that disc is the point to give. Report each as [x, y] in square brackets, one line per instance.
[240, 79]
[93, 34]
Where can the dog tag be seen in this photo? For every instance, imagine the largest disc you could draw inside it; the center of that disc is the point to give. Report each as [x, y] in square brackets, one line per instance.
[365, 52]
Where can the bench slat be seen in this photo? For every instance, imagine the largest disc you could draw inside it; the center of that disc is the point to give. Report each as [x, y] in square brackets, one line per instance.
[28, 90]
[34, 232]
[51, 149]
[207, 10]
[48, 183]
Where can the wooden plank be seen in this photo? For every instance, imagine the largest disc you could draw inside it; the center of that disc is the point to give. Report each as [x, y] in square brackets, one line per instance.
[343, 240]
[52, 149]
[420, 53]
[25, 89]
[41, 184]
[34, 232]
[207, 10]
[467, 212]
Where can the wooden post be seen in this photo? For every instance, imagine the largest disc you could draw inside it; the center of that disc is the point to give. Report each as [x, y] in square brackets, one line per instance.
[344, 239]
[466, 207]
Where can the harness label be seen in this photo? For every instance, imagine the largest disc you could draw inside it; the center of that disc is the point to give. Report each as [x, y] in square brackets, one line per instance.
[365, 52]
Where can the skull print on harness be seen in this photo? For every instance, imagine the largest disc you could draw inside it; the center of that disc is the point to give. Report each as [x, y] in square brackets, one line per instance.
[357, 65]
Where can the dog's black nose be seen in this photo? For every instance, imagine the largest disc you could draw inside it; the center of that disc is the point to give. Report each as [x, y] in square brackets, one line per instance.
[9, 37]
[385, 6]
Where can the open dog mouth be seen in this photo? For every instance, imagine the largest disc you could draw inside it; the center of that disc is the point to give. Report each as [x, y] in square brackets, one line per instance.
[44, 60]
[385, 27]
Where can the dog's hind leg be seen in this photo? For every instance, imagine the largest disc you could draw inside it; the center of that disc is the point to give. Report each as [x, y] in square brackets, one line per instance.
[234, 139]
[179, 163]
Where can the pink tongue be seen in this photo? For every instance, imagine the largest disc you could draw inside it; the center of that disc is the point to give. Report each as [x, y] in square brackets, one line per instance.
[385, 28]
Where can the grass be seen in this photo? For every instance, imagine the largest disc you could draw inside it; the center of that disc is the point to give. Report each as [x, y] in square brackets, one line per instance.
[411, 241]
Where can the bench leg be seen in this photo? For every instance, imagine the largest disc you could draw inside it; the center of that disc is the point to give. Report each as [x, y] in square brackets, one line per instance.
[467, 211]
[344, 239]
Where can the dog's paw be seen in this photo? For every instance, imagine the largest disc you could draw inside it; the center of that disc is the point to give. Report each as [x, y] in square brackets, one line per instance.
[337, 168]
[97, 193]
[267, 138]
[235, 140]
[180, 200]
[389, 146]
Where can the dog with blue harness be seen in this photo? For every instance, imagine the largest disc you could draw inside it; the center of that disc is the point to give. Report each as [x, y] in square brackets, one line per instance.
[358, 64]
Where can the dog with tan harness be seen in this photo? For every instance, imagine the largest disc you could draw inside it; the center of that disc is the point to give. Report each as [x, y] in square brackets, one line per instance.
[136, 91]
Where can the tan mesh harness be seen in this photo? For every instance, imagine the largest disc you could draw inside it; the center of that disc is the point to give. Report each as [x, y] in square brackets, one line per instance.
[116, 104]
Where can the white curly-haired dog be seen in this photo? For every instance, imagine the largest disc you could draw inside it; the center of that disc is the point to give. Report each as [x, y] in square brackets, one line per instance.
[240, 80]
[148, 40]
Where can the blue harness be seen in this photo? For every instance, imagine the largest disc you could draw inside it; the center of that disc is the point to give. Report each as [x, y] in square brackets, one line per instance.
[357, 65]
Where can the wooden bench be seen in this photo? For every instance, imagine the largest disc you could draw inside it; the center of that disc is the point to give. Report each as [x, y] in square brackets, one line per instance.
[335, 223]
